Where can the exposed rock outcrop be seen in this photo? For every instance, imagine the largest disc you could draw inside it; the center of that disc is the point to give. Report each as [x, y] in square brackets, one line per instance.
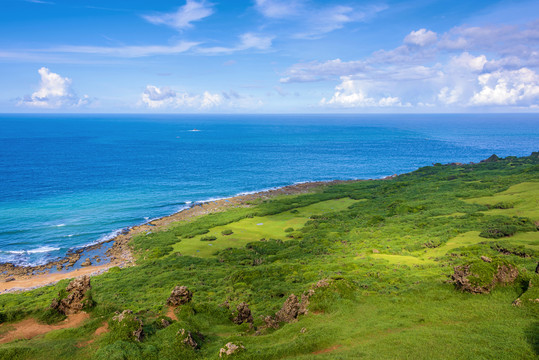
[465, 280]
[230, 349]
[75, 300]
[179, 296]
[486, 259]
[243, 315]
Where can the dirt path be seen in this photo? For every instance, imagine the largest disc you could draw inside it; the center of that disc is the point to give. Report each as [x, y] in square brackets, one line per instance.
[29, 328]
[171, 314]
[327, 350]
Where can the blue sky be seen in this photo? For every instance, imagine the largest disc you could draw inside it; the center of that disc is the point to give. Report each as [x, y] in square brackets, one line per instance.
[269, 56]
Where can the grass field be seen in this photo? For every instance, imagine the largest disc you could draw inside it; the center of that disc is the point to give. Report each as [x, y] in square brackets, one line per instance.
[386, 248]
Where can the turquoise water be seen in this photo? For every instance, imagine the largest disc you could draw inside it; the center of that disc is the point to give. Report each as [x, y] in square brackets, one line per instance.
[70, 180]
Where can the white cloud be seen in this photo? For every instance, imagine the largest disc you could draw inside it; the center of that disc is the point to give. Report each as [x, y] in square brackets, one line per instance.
[468, 62]
[128, 51]
[421, 37]
[316, 71]
[450, 96]
[181, 19]
[167, 99]
[279, 9]
[503, 87]
[349, 93]
[425, 71]
[247, 41]
[54, 92]
[315, 21]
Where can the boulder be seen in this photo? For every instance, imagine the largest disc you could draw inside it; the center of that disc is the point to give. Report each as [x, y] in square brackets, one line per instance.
[243, 315]
[486, 259]
[230, 349]
[74, 301]
[179, 296]
[87, 262]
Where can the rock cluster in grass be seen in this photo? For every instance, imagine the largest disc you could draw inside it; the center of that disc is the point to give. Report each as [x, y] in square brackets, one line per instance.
[180, 295]
[477, 279]
[293, 307]
[126, 317]
[187, 339]
[75, 299]
[243, 314]
[230, 349]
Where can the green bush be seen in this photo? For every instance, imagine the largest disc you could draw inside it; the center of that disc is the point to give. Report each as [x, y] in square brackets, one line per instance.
[227, 232]
[290, 229]
[208, 238]
[498, 231]
[501, 205]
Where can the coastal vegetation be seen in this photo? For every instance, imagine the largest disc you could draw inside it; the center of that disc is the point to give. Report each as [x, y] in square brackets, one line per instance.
[437, 263]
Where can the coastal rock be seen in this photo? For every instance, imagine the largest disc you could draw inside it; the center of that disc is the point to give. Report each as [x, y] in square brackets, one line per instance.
[492, 158]
[8, 279]
[230, 349]
[290, 310]
[87, 262]
[180, 295]
[243, 315]
[76, 298]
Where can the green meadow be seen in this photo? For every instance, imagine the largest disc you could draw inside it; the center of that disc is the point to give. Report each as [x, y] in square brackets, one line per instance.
[386, 249]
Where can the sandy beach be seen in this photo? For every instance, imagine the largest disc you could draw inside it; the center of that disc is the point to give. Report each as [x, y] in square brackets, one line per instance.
[117, 252]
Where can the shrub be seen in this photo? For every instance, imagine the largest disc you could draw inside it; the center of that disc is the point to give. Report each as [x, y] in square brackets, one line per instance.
[227, 232]
[290, 229]
[208, 238]
[501, 205]
[498, 231]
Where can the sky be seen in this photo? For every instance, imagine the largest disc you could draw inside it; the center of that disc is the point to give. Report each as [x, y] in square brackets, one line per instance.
[269, 56]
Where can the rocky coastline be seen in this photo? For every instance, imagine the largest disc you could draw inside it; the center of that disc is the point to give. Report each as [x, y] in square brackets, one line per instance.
[116, 252]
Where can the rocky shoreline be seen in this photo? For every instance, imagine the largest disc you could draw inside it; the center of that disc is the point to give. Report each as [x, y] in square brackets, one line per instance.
[98, 258]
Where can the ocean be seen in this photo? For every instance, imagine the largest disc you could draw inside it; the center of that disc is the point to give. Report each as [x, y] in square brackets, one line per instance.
[71, 180]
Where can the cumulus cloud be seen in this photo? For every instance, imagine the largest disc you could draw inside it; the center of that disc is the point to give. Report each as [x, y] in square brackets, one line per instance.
[184, 17]
[247, 41]
[54, 92]
[350, 93]
[508, 87]
[421, 37]
[430, 69]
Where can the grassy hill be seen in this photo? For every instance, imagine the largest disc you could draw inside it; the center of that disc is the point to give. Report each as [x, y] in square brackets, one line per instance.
[374, 260]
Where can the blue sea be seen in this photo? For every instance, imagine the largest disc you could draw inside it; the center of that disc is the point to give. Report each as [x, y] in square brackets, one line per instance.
[71, 180]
